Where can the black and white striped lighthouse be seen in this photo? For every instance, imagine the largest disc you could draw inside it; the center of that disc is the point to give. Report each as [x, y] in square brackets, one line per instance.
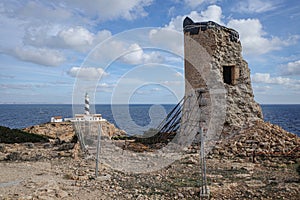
[87, 104]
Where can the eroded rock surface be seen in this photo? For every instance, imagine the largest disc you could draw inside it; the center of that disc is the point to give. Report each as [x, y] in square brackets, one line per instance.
[260, 142]
[65, 131]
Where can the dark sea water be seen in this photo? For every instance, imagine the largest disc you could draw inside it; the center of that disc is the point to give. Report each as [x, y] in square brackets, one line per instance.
[25, 115]
[286, 116]
[21, 116]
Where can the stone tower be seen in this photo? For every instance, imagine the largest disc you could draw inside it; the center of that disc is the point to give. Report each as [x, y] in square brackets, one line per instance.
[213, 60]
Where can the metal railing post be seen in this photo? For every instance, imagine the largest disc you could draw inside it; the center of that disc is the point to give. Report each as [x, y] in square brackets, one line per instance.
[98, 149]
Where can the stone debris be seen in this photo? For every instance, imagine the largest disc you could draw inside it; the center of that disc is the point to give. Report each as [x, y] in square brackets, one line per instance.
[261, 142]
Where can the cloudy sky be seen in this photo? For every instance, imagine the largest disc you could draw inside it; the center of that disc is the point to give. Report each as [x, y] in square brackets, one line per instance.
[47, 47]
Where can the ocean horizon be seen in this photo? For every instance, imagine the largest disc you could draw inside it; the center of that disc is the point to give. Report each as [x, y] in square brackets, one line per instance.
[24, 115]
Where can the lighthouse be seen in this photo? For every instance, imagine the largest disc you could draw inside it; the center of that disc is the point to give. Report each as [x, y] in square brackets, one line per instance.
[87, 104]
[87, 116]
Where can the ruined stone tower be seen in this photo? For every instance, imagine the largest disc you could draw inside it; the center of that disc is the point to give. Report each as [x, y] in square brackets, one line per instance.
[213, 60]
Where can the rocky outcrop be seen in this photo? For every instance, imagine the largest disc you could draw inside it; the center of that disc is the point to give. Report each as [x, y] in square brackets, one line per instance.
[37, 152]
[65, 131]
[62, 130]
[261, 142]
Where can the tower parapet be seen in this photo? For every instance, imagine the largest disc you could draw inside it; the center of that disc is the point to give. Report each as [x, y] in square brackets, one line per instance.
[194, 27]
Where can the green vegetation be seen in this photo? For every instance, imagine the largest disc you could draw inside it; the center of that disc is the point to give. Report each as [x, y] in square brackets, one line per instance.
[10, 136]
[121, 137]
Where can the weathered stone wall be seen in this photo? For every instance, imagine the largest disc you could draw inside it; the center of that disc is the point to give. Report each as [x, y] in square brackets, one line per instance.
[222, 49]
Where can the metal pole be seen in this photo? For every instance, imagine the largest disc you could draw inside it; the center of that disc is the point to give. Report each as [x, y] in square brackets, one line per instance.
[204, 189]
[79, 131]
[201, 161]
[98, 148]
[89, 128]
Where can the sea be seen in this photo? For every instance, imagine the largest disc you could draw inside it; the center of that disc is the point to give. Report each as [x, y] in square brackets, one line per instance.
[24, 115]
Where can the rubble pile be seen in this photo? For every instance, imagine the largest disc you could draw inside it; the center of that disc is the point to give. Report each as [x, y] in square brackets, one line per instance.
[260, 142]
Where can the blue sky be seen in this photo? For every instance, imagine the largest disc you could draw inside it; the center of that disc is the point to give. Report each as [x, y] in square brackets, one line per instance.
[44, 44]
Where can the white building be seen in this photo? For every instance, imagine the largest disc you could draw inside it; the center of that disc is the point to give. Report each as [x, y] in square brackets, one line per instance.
[56, 119]
[86, 116]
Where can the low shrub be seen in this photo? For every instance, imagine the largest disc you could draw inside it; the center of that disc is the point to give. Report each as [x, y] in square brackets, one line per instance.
[11, 136]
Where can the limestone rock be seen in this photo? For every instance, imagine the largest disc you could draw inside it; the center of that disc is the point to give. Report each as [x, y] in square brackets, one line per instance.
[2, 148]
[65, 131]
[261, 142]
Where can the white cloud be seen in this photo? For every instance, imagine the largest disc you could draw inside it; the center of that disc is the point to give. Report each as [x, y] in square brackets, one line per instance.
[82, 39]
[155, 89]
[255, 6]
[193, 3]
[171, 11]
[40, 56]
[100, 36]
[254, 39]
[87, 73]
[110, 9]
[173, 83]
[178, 74]
[108, 51]
[212, 13]
[60, 25]
[292, 68]
[148, 91]
[105, 87]
[167, 39]
[170, 37]
[262, 89]
[75, 38]
[266, 78]
[16, 86]
[196, 3]
[129, 53]
[136, 56]
[36, 11]
[76, 11]
[25, 86]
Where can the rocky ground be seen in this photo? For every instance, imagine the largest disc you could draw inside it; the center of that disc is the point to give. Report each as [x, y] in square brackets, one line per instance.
[262, 142]
[57, 170]
[63, 177]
